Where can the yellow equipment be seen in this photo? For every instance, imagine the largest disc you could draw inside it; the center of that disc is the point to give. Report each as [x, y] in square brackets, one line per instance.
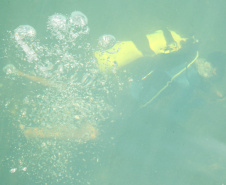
[125, 52]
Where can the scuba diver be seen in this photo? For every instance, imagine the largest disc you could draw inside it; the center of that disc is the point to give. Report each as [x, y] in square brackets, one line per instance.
[151, 68]
[165, 68]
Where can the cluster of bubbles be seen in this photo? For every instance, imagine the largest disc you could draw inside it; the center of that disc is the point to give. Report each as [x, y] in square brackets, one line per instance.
[72, 91]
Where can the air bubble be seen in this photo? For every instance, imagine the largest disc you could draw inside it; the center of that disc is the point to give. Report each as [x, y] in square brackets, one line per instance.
[106, 42]
[26, 100]
[57, 26]
[24, 32]
[47, 66]
[60, 69]
[78, 19]
[24, 35]
[7, 103]
[77, 25]
[23, 111]
[24, 169]
[10, 69]
[13, 170]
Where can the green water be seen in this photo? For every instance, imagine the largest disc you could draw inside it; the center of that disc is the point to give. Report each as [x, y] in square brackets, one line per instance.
[178, 139]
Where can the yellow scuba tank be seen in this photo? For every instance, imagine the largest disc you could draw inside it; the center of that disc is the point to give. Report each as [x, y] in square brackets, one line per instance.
[118, 56]
[158, 42]
[123, 53]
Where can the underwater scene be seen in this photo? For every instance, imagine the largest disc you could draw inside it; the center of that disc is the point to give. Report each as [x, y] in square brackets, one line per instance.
[112, 92]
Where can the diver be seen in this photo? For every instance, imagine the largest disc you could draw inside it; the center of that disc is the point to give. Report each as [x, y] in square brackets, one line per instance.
[166, 68]
[151, 68]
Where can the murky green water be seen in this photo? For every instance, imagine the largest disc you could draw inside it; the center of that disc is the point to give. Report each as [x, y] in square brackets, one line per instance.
[65, 122]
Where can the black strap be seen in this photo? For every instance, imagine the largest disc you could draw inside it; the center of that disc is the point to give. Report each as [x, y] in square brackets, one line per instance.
[168, 37]
[142, 45]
